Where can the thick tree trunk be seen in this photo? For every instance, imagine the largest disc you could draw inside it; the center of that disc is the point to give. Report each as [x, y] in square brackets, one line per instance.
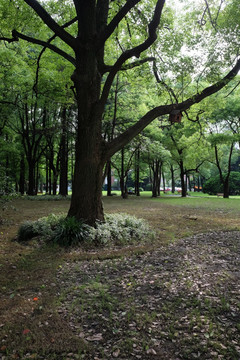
[86, 203]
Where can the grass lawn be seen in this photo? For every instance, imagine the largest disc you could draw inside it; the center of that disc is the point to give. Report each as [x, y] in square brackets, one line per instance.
[45, 289]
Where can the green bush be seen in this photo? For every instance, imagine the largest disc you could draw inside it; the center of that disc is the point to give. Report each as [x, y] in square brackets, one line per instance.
[27, 231]
[122, 229]
[42, 227]
[213, 185]
[118, 229]
[70, 231]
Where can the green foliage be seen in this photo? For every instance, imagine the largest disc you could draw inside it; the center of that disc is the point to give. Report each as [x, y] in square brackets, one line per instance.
[70, 231]
[214, 185]
[122, 229]
[118, 229]
[42, 227]
[31, 229]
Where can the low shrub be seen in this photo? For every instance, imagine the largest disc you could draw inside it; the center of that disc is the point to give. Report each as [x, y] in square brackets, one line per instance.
[47, 197]
[69, 231]
[42, 227]
[118, 229]
[122, 229]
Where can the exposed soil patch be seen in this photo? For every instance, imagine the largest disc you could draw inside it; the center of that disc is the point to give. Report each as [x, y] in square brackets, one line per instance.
[177, 302]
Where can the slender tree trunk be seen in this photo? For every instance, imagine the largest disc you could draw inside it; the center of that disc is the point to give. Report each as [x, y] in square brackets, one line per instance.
[122, 177]
[183, 185]
[155, 181]
[55, 177]
[137, 172]
[37, 179]
[163, 178]
[7, 187]
[22, 175]
[109, 178]
[173, 179]
[31, 187]
[63, 188]
[224, 181]
[49, 181]
[159, 178]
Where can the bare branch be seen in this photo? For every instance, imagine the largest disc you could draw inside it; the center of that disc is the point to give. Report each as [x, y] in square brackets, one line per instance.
[48, 20]
[54, 48]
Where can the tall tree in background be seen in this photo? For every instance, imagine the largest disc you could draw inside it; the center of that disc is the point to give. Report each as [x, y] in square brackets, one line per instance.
[85, 46]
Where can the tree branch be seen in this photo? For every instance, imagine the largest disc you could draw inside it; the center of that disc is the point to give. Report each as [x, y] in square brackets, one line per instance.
[108, 68]
[17, 35]
[159, 81]
[42, 51]
[109, 29]
[48, 20]
[9, 40]
[136, 51]
[134, 130]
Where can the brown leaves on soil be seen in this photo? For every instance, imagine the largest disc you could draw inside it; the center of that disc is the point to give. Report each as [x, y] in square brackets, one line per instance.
[179, 302]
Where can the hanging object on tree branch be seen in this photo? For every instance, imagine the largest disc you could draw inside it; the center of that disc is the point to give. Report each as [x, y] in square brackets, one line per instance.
[175, 116]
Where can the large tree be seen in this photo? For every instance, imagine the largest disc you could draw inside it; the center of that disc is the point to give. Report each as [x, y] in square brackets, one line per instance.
[84, 45]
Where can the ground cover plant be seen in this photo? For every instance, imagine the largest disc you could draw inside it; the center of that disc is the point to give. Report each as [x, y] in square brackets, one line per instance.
[136, 301]
[68, 231]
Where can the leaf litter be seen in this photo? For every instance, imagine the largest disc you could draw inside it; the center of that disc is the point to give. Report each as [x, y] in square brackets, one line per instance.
[177, 302]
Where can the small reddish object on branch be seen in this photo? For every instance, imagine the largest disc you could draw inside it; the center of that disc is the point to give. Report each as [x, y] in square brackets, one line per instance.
[175, 116]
